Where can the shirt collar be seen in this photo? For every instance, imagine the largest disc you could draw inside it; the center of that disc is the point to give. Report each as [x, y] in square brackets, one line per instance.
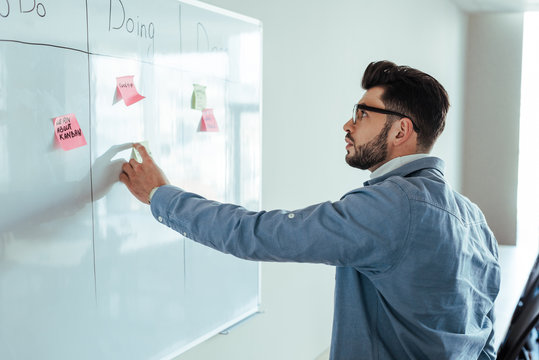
[408, 167]
[395, 164]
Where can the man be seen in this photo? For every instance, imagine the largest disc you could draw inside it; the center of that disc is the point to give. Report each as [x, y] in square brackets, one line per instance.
[417, 269]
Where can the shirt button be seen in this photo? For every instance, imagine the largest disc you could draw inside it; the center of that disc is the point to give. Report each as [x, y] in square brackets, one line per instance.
[291, 215]
[160, 218]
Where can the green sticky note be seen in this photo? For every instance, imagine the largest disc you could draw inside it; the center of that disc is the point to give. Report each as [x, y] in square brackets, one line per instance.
[198, 98]
[136, 155]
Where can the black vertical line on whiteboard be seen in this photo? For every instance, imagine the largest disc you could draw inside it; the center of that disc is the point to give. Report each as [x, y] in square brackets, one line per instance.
[201, 26]
[110, 14]
[90, 145]
[180, 22]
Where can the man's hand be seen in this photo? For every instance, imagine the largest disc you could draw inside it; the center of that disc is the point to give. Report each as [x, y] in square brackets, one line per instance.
[141, 178]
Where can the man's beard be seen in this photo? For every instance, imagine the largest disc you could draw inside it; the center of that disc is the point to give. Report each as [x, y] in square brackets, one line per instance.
[371, 153]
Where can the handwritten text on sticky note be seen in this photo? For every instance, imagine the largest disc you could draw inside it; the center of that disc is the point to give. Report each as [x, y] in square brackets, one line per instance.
[68, 132]
[208, 122]
[126, 87]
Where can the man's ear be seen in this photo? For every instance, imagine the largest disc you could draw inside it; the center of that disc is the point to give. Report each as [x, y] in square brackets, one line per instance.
[403, 129]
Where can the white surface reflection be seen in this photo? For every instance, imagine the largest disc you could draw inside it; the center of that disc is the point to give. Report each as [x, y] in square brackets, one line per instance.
[46, 259]
[85, 270]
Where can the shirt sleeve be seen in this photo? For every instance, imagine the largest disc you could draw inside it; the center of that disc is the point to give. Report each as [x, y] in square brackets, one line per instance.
[366, 229]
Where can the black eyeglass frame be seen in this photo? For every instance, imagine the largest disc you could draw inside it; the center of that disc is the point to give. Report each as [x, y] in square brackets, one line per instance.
[381, 111]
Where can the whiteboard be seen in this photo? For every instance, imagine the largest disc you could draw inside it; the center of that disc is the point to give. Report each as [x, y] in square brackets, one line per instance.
[85, 270]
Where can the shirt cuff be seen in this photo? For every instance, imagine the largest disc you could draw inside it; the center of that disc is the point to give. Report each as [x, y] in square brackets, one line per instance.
[161, 202]
[151, 194]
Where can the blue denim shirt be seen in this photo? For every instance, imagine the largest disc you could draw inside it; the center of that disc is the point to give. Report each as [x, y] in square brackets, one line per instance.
[417, 266]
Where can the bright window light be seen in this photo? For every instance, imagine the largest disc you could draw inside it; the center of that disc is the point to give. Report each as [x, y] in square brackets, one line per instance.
[528, 169]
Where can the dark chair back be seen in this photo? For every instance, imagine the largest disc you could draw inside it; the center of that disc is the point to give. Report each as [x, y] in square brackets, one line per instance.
[521, 339]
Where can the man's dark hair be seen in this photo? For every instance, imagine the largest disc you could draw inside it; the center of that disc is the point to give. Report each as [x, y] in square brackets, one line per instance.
[411, 92]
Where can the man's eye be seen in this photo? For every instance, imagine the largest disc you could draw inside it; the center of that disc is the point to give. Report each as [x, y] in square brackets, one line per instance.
[363, 114]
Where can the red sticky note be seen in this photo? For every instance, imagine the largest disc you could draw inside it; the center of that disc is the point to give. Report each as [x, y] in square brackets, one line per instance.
[207, 122]
[68, 132]
[127, 90]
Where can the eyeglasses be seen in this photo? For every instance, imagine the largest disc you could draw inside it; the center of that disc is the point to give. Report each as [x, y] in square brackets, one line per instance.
[358, 107]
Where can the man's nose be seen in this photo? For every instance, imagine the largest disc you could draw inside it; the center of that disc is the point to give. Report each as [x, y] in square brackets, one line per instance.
[347, 125]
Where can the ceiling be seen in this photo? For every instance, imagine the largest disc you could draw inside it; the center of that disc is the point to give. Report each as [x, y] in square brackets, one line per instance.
[498, 5]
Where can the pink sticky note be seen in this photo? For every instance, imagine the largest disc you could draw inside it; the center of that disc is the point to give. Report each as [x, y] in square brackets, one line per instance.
[68, 132]
[127, 90]
[208, 122]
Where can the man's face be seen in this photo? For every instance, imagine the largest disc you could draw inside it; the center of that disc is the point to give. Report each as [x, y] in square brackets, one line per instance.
[367, 139]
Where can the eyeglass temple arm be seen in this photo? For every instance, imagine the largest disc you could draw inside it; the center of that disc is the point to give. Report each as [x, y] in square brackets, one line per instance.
[387, 112]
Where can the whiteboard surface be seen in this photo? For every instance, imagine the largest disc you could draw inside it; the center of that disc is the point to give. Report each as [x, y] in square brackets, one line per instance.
[85, 270]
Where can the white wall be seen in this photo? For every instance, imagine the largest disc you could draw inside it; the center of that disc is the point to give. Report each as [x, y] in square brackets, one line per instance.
[315, 53]
[492, 116]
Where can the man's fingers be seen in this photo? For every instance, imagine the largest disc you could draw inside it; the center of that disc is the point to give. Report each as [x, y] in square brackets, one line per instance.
[142, 151]
[141, 178]
[124, 178]
[127, 168]
[134, 164]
